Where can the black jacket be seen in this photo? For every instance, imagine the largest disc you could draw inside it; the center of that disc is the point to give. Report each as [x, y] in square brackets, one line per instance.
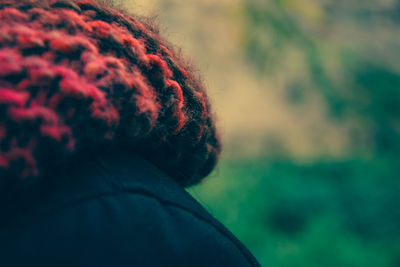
[115, 210]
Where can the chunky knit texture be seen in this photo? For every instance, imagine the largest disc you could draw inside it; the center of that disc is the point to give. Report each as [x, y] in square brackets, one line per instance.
[78, 76]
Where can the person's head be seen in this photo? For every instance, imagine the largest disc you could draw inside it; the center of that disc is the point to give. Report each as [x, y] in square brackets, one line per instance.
[79, 76]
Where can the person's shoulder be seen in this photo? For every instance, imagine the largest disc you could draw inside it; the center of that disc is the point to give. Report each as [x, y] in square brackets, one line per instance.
[121, 229]
[138, 227]
[124, 215]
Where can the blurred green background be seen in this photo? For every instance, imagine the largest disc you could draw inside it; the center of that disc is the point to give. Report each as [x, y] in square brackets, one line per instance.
[307, 96]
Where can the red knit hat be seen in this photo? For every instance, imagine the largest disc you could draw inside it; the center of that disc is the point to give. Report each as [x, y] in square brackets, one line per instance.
[78, 76]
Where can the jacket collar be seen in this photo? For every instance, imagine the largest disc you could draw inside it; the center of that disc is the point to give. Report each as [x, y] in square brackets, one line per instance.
[108, 173]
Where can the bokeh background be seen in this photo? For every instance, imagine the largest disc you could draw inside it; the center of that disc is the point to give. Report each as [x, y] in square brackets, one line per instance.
[307, 97]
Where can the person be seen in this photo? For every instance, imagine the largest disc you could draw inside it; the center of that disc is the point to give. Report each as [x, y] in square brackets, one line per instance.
[102, 127]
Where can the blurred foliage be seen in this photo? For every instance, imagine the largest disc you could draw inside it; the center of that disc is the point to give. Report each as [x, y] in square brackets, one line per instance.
[362, 87]
[325, 212]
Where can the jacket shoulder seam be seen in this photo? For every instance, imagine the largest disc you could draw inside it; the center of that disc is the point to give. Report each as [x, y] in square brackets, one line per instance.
[143, 192]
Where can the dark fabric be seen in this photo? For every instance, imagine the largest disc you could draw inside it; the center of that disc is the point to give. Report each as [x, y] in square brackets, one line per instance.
[115, 209]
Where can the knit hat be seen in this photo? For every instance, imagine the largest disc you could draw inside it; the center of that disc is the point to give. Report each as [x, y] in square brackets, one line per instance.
[80, 76]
